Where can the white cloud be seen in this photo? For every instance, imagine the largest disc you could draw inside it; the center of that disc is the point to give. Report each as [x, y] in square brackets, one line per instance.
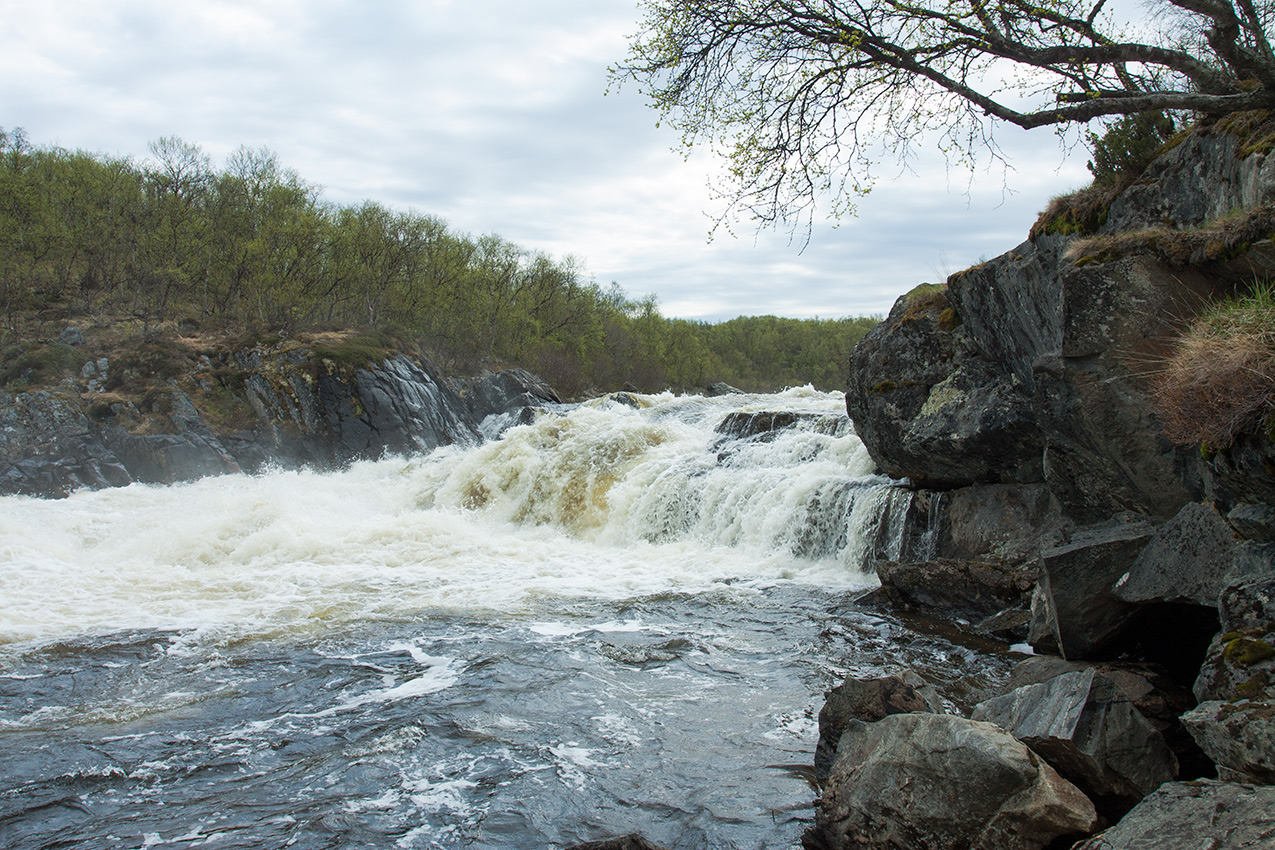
[492, 114]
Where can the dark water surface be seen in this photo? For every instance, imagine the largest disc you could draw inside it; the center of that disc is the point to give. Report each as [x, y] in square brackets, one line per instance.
[685, 718]
[616, 619]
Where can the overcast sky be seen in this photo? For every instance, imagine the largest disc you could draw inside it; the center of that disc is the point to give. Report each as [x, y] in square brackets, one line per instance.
[495, 116]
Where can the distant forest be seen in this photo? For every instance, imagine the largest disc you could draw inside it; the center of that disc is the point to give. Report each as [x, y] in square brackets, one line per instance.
[251, 248]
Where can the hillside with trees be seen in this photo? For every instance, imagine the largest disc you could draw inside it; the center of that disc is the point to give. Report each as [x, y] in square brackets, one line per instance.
[174, 247]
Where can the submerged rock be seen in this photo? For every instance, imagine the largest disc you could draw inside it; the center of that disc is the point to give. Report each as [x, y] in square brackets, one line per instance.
[927, 781]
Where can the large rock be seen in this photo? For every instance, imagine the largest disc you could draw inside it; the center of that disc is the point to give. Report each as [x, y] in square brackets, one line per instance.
[1156, 696]
[868, 700]
[1238, 736]
[1201, 814]
[968, 591]
[998, 523]
[1089, 730]
[929, 408]
[1076, 611]
[927, 781]
[1011, 306]
[49, 447]
[1240, 663]
[1189, 560]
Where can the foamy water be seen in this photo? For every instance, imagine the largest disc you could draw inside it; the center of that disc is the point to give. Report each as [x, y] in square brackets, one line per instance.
[603, 501]
[614, 619]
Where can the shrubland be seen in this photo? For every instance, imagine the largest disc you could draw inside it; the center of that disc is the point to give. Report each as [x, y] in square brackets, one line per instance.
[172, 250]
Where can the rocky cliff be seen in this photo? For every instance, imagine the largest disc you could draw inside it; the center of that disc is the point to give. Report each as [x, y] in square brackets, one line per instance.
[1017, 399]
[242, 409]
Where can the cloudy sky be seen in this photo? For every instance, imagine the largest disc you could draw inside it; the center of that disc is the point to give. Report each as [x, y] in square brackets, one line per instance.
[495, 116]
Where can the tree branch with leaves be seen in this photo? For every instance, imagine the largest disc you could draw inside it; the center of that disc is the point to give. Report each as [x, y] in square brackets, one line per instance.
[803, 96]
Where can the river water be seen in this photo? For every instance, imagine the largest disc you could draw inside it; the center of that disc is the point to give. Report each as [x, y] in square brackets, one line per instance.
[619, 618]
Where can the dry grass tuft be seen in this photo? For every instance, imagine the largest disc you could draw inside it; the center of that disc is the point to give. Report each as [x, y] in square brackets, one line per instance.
[1218, 241]
[1220, 380]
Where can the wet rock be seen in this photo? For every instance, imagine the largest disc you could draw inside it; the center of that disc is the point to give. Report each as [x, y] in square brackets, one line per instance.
[721, 388]
[1189, 559]
[50, 448]
[931, 409]
[632, 841]
[1204, 814]
[925, 781]
[1089, 730]
[501, 392]
[868, 700]
[961, 590]
[1076, 611]
[1238, 736]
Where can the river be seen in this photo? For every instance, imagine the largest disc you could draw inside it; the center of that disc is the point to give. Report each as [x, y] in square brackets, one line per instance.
[621, 617]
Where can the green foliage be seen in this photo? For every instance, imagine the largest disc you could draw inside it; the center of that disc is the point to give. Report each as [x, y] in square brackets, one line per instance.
[36, 364]
[250, 252]
[1129, 144]
[360, 349]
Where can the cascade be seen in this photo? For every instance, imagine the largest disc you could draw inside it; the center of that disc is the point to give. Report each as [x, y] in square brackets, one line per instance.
[619, 616]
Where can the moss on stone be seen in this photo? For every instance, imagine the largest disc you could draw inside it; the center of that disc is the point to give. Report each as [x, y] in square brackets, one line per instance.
[1245, 652]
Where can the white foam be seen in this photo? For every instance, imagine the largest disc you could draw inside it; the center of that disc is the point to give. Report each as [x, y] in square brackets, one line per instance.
[583, 505]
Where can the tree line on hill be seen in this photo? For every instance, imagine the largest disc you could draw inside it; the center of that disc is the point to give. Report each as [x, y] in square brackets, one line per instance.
[176, 242]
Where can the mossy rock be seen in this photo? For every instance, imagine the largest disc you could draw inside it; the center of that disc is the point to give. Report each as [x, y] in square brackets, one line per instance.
[1245, 652]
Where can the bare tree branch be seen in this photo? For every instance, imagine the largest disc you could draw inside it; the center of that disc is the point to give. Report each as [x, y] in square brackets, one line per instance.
[802, 95]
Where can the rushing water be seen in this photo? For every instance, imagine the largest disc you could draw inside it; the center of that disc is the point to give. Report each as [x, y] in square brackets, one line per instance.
[614, 619]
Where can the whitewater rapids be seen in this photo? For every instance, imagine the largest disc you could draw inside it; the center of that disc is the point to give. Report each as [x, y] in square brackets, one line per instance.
[620, 617]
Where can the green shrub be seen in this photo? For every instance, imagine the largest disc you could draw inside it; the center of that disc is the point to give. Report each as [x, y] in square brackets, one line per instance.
[1126, 148]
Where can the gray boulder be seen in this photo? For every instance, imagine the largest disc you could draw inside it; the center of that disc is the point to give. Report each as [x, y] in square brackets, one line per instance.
[1240, 662]
[1238, 736]
[1085, 726]
[1202, 814]
[49, 447]
[1076, 611]
[927, 781]
[997, 523]
[930, 408]
[1189, 559]
[868, 700]
[963, 590]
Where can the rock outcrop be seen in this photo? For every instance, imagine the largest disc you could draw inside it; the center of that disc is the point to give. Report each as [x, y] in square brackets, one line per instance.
[1017, 402]
[289, 408]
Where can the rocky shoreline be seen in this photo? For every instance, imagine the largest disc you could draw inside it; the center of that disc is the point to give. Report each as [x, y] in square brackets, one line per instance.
[296, 407]
[1051, 508]
[1048, 509]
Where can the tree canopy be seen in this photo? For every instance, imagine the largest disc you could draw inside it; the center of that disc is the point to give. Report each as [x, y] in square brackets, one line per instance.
[177, 247]
[803, 96]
